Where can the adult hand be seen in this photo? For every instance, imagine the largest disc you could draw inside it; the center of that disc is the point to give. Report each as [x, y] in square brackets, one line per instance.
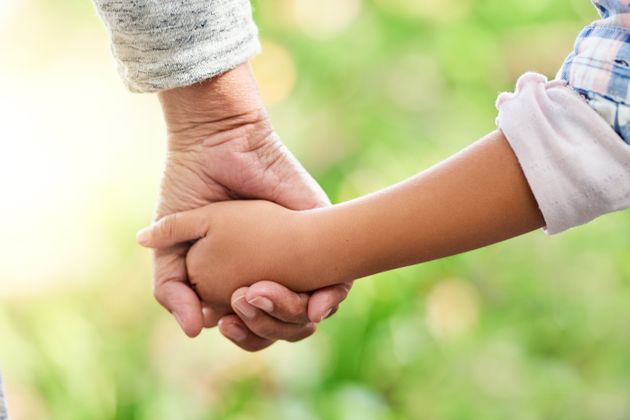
[222, 146]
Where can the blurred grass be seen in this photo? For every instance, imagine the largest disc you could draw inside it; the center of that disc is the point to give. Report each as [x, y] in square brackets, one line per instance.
[537, 328]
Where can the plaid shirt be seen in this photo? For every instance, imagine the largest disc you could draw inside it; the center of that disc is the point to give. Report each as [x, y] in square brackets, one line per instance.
[600, 61]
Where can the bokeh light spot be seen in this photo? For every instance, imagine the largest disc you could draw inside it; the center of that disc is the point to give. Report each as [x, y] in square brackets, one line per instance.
[275, 72]
[325, 19]
[452, 308]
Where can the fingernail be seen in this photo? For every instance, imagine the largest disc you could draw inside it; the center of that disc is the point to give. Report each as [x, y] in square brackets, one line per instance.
[262, 303]
[245, 310]
[326, 315]
[143, 236]
[235, 332]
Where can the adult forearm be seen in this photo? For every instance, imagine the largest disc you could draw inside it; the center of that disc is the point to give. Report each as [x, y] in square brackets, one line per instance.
[476, 198]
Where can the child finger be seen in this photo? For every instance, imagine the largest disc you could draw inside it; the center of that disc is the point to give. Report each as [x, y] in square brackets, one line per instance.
[175, 228]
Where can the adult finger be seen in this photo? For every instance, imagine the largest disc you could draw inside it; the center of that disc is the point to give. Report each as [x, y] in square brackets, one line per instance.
[278, 301]
[184, 304]
[265, 326]
[210, 316]
[324, 302]
[173, 293]
[175, 228]
[235, 330]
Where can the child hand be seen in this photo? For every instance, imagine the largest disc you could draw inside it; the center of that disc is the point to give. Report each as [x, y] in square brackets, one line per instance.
[242, 242]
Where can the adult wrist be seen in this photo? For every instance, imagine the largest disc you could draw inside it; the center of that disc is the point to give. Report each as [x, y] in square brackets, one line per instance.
[218, 106]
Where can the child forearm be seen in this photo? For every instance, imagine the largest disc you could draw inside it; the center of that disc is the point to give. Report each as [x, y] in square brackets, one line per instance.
[478, 197]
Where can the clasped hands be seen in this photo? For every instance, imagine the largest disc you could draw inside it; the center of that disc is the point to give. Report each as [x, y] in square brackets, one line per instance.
[221, 147]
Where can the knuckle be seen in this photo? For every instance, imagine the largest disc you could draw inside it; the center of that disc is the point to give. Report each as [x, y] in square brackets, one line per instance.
[238, 294]
[298, 308]
[297, 305]
[264, 288]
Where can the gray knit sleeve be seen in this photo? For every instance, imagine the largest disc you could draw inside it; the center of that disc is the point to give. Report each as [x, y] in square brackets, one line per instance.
[162, 44]
[3, 407]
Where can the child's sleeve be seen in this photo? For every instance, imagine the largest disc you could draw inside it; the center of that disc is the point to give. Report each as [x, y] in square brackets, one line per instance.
[576, 165]
[160, 45]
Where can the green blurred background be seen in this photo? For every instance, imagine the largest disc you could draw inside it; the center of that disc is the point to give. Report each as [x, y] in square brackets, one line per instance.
[365, 93]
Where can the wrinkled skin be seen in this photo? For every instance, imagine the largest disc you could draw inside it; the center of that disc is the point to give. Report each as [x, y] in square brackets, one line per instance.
[221, 147]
